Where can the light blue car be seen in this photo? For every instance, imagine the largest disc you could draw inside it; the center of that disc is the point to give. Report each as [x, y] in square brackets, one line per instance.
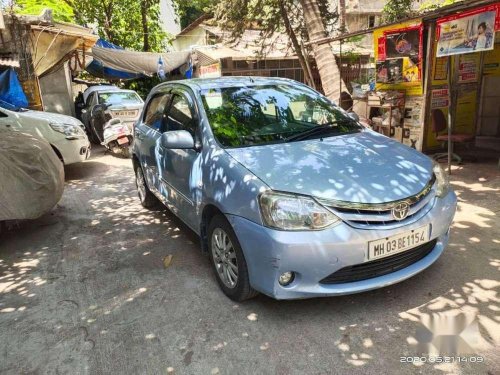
[290, 195]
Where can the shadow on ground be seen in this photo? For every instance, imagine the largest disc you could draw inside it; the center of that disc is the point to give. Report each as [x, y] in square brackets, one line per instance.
[91, 287]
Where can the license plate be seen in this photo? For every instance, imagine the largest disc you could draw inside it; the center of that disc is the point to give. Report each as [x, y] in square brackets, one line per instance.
[125, 113]
[122, 141]
[388, 246]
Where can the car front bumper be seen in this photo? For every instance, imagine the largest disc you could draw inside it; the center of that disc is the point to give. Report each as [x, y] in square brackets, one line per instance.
[314, 255]
[73, 150]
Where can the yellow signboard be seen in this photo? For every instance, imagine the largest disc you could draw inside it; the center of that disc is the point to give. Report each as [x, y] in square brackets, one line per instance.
[411, 74]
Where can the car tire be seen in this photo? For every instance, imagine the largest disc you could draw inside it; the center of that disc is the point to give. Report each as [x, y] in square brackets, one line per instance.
[221, 254]
[147, 198]
[126, 152]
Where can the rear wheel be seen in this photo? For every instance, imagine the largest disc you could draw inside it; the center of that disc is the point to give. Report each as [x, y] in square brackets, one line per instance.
[126, 152]
[228, 260]
[147, 198]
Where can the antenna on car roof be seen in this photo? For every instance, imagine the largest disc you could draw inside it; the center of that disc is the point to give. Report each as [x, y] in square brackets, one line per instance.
[251, 79]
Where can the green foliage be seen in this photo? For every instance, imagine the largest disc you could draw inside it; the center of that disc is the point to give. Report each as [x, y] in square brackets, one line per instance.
[120, 21]
[395, 10]
[60, 9]
[142, 86]
[429, 5]
[188, 11]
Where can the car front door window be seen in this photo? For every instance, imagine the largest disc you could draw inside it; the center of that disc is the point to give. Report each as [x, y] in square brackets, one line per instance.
[180, 115]
[155, 113]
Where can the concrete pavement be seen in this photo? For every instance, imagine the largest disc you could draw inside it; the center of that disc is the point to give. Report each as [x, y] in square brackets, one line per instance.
[85, 290]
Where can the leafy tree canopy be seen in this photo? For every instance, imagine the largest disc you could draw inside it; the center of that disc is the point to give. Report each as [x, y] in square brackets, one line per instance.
[188, 11]
[132, 24]
[428, 5]
[395, 10]
[61, 11]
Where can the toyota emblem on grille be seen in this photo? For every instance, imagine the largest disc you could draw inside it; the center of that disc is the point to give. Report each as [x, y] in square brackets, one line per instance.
[400, 210]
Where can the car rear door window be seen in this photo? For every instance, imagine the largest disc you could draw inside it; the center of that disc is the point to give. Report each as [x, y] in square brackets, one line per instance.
[155, 112]
[180, 115]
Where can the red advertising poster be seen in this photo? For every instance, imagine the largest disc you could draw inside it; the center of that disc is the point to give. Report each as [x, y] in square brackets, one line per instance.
[381, 49]
[472, 31]
[489, 8]
[406, 42]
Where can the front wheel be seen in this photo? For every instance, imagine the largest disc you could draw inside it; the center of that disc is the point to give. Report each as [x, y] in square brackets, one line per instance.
[228, 260]
[147, 198]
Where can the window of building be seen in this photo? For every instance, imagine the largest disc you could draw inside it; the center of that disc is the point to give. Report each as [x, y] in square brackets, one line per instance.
[371, 21]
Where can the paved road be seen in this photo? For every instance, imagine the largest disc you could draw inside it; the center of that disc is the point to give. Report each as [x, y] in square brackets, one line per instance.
[85, 290]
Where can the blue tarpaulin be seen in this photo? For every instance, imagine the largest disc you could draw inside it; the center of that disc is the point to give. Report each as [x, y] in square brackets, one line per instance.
[11, 91]
[97, 69]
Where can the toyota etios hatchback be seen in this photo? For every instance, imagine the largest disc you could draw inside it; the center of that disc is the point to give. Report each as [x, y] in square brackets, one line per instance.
[290, 195]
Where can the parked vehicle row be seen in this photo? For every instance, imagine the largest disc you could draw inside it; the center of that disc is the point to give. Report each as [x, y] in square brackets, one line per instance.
[290, 195]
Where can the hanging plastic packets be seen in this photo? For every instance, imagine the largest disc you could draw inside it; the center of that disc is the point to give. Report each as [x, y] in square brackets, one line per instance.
[161, 69]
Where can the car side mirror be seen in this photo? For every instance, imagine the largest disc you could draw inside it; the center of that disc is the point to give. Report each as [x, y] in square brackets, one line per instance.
[354, 116]
[177, 139]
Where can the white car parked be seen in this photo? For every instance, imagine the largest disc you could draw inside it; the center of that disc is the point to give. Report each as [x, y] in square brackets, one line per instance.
[65, 134]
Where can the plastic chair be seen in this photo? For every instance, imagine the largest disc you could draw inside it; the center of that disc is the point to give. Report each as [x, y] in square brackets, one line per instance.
[440, 123]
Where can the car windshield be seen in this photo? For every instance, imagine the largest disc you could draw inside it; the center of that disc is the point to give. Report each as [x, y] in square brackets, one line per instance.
[263, 114]
[119, 97]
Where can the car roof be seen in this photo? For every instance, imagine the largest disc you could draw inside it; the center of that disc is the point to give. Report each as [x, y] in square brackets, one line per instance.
[221, 82]
[92, 89]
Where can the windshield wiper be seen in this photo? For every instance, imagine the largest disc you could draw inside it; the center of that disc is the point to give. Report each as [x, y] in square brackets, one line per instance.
[325, 128]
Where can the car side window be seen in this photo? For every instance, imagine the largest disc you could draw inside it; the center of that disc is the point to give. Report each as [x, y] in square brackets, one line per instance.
[180, 115]
[154, 116]
[90, 98]
[3, 114]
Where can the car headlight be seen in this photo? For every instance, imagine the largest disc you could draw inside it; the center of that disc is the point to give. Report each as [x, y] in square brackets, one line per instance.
[442, 180]
[294, 212]
[71, 131]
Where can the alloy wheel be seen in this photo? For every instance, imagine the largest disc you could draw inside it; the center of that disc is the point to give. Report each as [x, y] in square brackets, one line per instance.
[224, 258]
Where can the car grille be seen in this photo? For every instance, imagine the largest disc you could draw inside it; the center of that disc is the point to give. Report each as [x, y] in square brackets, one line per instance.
[371, 216]
[379, 267]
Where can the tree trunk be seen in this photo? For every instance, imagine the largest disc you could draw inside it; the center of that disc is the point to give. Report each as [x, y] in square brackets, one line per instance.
[145, 28]
[325, 59]
[296, 46]
[108, 16]
[341, 11]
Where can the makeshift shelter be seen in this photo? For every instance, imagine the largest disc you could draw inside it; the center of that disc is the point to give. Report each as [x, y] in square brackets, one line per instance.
[147, 63]
[97, 68]
[46, 54]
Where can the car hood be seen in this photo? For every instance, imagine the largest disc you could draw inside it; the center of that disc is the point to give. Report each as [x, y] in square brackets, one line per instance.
[365, 167]
[51, 117]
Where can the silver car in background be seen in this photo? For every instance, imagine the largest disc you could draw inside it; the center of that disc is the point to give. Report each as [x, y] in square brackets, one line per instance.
[125, 105]
[290, 195]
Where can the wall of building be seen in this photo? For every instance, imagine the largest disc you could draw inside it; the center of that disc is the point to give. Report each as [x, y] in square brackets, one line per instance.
[57, 93]
[196, 37]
